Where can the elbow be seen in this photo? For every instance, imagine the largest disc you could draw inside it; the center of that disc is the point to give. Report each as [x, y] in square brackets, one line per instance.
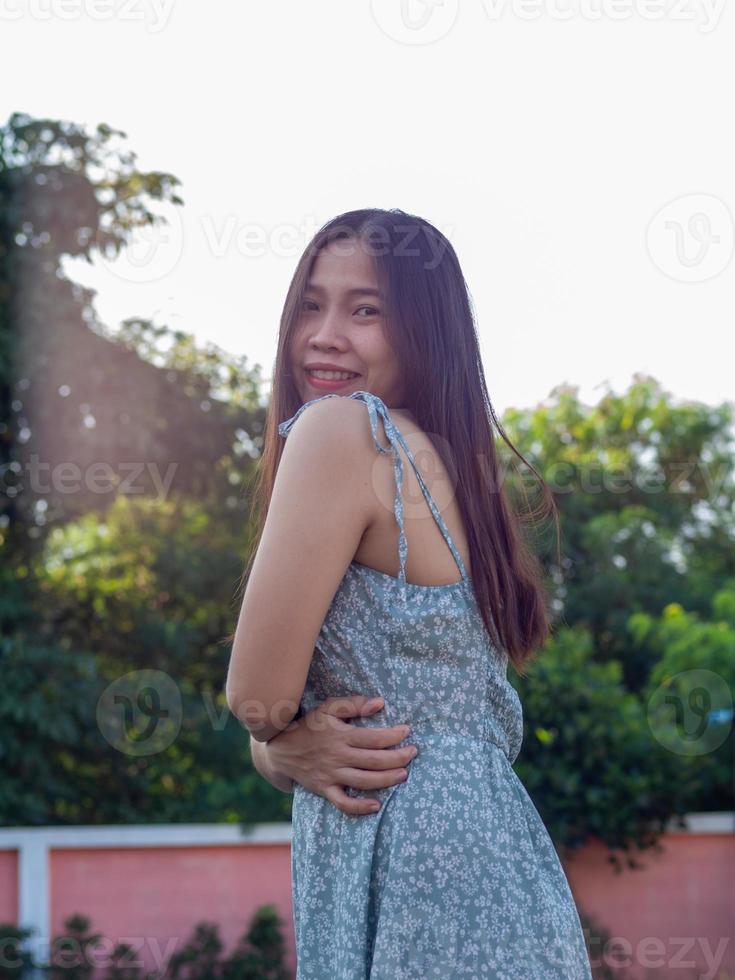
[261, 734]
[244, 708]
[263, 719]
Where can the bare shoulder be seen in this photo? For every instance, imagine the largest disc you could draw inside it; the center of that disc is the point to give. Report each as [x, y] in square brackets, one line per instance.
[330, 458]
[336, 424]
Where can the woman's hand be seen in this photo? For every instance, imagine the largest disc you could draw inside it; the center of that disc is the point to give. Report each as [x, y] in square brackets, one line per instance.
[324, 753]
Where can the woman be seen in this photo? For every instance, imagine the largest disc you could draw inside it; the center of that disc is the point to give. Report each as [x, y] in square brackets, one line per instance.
[360, 587]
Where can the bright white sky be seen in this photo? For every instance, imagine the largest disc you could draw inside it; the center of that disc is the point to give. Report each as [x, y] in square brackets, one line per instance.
[543, 137]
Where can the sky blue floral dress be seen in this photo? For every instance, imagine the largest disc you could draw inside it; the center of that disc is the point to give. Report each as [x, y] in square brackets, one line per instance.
[456, 875]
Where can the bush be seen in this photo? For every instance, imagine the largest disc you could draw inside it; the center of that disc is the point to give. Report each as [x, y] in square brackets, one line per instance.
[77, 954]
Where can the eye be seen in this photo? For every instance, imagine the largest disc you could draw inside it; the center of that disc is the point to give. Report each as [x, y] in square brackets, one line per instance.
[374, 309]
[308, 301]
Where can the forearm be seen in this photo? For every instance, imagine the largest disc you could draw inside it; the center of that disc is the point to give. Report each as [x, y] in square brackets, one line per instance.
[259, 754]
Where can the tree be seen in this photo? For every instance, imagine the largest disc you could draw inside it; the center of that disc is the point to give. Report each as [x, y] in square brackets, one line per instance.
[646, 495]
[152, 396]
[119, 601]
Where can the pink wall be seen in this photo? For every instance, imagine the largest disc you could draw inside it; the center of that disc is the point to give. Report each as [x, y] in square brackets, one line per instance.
[677, 912]
[9, 886]
[159, 894]
[675, 918]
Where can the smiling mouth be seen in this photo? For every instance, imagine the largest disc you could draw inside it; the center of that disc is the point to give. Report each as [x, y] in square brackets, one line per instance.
[324, 375]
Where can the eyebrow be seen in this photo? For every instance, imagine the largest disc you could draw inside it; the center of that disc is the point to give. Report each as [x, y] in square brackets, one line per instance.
[357, 291]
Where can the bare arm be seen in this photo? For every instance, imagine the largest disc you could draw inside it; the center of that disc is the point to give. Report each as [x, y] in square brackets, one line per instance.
[328, 457]
[259, 754]
[323, 752]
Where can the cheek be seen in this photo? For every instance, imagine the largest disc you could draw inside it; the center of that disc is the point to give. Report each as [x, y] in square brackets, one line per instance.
[374, 350]
[296, 345]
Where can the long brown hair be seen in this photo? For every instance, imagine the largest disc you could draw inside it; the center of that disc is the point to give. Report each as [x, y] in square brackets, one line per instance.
[430, 327]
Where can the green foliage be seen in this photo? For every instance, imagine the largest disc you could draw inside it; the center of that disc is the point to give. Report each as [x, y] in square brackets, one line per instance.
[121, 965]
[78, 954]
[72, 956]
[49, 749]
[88, 413]
[691, 684]
[589, 759]
[103, 589]
[199, 959]
[111, 576]
[259, 955]
[16, 962]
[646, 496]
[142, 590]
[604, 963]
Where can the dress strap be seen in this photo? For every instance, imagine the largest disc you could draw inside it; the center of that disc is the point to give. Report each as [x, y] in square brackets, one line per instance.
[375, 407]
[285, 427]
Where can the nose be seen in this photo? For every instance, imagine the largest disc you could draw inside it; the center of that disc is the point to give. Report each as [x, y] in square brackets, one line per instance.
[328, 331]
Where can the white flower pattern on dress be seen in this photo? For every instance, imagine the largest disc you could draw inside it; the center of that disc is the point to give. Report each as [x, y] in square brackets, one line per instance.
[456, 875]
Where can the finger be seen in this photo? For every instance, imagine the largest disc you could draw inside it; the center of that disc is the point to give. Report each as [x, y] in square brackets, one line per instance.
[371, 705]
[370, 737]
[351, 706]
[353, 805]
[364, 779]
[376, 760]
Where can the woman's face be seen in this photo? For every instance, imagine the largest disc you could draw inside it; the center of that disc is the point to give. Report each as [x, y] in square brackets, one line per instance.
[342, 325]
